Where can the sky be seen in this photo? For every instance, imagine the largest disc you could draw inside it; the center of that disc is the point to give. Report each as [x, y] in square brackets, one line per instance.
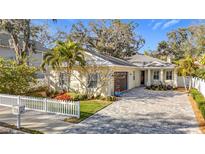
[152, 30]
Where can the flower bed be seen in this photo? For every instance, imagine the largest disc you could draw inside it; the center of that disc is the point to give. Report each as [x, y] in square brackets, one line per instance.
[159, 87]
[63, 97]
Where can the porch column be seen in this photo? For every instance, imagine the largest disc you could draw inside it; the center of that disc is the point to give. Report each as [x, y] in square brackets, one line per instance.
[175, 78]
[148, 77]
[162, 75]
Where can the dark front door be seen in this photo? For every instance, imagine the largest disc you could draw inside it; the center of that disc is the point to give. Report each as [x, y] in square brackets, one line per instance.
[142, 77]
[120, 81]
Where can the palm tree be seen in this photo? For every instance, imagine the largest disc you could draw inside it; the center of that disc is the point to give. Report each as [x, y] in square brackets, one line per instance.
[187, 67]
[69, 53]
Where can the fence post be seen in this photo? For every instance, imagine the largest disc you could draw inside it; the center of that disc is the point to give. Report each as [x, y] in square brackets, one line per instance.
[18, 100]
[18, 122]
[45, 104]
[78, 109]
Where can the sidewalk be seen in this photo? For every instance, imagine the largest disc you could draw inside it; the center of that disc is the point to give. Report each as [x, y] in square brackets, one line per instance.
[4, 130]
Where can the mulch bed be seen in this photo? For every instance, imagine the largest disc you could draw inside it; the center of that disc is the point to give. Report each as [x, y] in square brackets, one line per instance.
[198, 114]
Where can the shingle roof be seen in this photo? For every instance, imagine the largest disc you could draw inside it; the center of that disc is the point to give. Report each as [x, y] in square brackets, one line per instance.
[147, 61]
[5, 39]
[138, 60]
[113, 60]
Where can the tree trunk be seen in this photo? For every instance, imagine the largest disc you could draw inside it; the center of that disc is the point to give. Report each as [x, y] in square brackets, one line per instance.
[17, 48]
[68, 77]
[26, 39]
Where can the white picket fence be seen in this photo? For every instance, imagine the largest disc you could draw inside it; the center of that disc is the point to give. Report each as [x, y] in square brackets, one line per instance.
[197, 83]
[68, 108]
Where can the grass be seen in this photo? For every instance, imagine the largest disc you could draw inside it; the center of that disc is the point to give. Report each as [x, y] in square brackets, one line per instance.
[88, 108]
[26, 130]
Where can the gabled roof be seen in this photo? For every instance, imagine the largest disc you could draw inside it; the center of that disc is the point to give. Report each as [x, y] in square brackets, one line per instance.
[111, 60]
[141, 60]
[5, 42]
[138, 60]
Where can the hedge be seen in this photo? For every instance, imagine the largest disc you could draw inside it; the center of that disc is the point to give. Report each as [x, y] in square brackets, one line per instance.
[200, 99]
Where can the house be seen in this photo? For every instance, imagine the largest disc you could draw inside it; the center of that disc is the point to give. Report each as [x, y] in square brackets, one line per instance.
[7, 51]
[138, 70]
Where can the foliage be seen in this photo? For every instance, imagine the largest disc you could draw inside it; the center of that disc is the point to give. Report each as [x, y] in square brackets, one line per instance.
[23, 36]
[202, 60]
[88, 108]
[15, 78]
[200, 73]
[199, 98]
[111, 98]
[110, 37]
[187, 66]
[159, 87]
[183, 42]
[64, 97]
[69, 53]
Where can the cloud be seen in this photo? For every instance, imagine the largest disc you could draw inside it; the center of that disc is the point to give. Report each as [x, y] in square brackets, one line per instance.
[170, 23]
[157, 25]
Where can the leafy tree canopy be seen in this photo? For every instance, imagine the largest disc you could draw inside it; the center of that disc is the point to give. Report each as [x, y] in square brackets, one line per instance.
[23, 36]
[183, 42]
[110, 37]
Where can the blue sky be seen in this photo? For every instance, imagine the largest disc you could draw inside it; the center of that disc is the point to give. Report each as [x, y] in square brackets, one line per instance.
[152, 30]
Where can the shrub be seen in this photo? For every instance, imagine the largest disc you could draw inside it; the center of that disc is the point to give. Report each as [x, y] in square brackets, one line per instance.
[14, 78]
[64, 97]
[193, 92]
[159, 87]
[75, 97]
[200, 100]
[169, 87]
[83, 97]
[148, 87]
[111, 98]
[202, 109]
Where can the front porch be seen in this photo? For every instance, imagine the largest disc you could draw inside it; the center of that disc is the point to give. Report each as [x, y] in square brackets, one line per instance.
[151, 76]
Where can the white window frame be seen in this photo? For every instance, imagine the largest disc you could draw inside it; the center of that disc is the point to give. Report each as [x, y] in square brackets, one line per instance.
[169, 76]
[156, 74]
[93, 77]
[62, 78]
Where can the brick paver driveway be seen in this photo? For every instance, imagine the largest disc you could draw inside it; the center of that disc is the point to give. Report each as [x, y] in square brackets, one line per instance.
[143, 111]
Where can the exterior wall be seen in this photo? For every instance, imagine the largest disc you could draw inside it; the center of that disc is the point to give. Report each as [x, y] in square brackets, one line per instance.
[7, 53]
[108, 90]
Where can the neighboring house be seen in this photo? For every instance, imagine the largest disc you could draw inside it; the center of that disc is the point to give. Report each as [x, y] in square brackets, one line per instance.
[7, 51]
[138, 70]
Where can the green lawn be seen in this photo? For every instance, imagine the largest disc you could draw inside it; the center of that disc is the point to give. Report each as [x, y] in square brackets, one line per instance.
[88, 108]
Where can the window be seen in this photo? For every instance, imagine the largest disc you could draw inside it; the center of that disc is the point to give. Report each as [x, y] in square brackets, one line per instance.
[169, 75]
[62, 78]
[92, 80]
[133, 75]
[156, 75]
